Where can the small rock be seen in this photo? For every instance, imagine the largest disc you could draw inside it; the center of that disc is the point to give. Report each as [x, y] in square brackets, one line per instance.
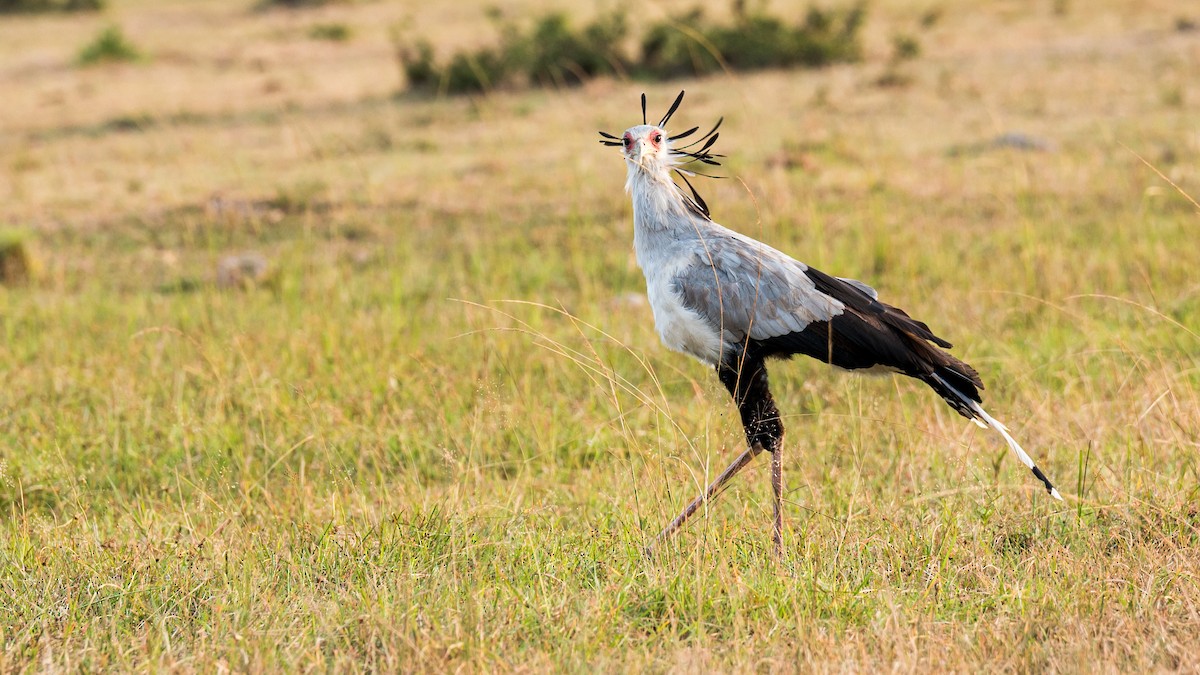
[1013, 140]
[243, 270]
[1020, 141]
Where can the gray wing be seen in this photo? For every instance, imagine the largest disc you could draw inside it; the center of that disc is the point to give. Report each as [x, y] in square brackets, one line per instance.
[745, 288]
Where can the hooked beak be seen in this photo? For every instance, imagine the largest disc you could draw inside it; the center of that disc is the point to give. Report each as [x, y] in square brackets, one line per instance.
[637, 153]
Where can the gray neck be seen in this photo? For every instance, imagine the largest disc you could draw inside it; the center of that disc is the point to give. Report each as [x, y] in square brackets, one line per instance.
[660, 216]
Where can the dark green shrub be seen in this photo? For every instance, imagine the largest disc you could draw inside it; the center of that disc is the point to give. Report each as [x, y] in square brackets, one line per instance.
[466, 72]
[109, 46]
[333, 32]
[32, 6]
[554, 53]
[478, 71]
[677, 47]
[297, 4]
[905, 47]
[690, 44]
[416, 61]
[18, 263]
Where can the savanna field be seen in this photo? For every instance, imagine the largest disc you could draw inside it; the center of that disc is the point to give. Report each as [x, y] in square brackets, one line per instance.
[302, 370]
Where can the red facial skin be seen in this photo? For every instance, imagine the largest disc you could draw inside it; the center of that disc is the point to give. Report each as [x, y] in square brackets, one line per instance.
[655, 138]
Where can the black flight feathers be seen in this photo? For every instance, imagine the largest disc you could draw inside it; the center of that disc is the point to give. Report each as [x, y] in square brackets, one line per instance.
[871, 333]
[703, 155]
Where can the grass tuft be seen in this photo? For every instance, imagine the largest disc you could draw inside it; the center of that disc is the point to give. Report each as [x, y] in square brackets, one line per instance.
[330, 32]
[905, 48]
[109, 46]
[19, 262]
[551, 53]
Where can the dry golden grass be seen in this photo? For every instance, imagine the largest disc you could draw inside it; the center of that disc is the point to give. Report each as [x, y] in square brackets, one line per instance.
[386, 458]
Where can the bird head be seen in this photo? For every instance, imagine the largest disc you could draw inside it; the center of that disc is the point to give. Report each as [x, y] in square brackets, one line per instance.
[647, 147]
[652, 153]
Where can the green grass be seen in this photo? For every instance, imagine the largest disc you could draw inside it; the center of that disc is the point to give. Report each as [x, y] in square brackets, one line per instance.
[332, 32]
[440, 437]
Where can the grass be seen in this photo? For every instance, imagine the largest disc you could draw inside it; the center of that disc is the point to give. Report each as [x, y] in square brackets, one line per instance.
[389, 459]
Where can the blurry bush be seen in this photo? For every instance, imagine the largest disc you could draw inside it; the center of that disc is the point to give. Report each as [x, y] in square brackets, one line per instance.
[18, 262]
[905, 48]
[554, 53]
[29, 6]
[298, 4]
[691, 44]
[333, 32]
[109, 46]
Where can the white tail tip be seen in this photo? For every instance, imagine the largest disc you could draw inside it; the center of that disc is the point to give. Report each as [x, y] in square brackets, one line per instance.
[1016, 448]
[985, 420]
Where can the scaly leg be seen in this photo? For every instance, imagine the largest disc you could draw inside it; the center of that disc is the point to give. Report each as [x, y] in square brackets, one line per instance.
[777, 489]
[712, 491]
[745, 376]
[746, 379]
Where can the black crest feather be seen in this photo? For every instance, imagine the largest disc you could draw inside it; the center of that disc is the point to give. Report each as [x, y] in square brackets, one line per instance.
[703, 155]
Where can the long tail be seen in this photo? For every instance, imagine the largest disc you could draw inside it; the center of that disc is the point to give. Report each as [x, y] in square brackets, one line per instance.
[964, 403]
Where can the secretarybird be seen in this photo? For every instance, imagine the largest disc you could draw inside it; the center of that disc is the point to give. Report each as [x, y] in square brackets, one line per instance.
[732, 302]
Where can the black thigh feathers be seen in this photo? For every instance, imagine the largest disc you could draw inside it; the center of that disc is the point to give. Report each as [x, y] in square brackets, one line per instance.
[744, 374]
[869, 334]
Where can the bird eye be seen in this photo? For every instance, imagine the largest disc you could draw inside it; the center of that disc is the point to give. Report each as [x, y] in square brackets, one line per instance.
[627, 140]
[657, 138]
